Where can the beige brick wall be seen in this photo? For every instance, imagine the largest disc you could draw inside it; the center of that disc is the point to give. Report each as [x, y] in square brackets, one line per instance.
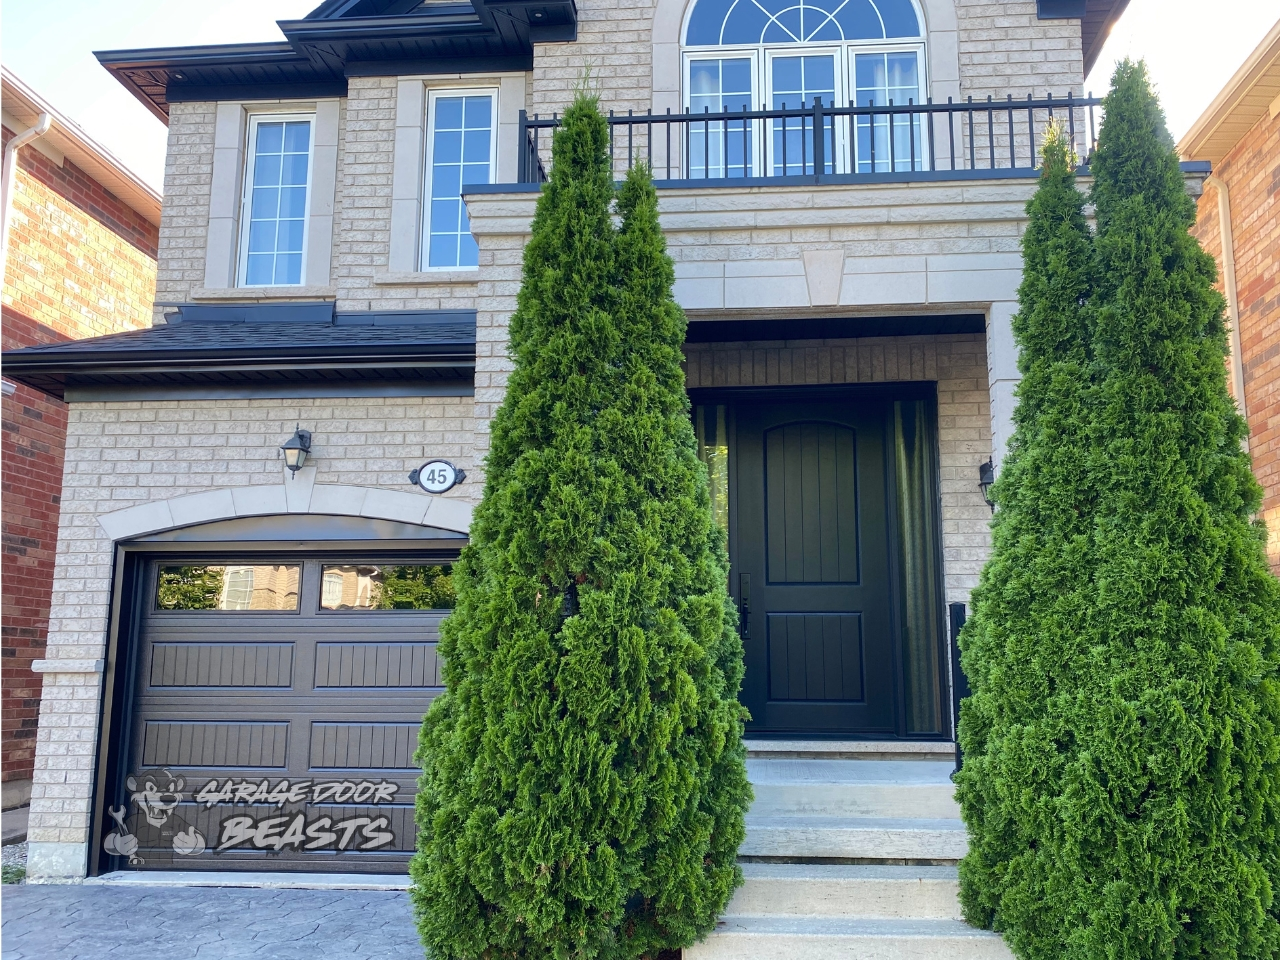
[957, 363]
[184, 221]
[121, 455]
[1005, 50]
[363, 239]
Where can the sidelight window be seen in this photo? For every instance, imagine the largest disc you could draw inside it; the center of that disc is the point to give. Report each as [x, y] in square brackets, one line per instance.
[713, 450]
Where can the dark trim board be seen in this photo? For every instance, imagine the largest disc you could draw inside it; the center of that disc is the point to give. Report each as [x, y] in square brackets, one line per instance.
[296, 90]
[307, 390]
[845, 392]
[835, 328]
[518, 63]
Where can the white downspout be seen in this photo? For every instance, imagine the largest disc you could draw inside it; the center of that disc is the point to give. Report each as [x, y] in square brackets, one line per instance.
[1233, 295]
[43, 123]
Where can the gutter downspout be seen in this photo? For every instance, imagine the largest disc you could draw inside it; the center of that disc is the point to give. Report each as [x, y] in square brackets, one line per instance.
[1233, 295]
[43, 123]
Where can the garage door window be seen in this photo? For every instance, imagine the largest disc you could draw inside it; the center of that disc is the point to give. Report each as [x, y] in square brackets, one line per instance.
[254, 587]
[387, 587]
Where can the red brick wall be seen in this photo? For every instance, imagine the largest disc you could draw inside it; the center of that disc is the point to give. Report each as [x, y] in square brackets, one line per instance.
[80, 264]
[1252, 174]
[31, 449]
[80, 190]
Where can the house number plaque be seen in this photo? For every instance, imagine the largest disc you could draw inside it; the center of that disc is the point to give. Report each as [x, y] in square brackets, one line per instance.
[437, 476]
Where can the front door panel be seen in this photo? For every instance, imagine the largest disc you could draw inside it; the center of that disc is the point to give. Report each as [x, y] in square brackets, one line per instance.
[812, 556]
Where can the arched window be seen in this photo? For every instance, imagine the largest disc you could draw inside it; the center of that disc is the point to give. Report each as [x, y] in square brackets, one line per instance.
[776, 54]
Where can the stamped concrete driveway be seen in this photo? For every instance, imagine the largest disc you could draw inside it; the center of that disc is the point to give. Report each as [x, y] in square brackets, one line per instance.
[106, 922]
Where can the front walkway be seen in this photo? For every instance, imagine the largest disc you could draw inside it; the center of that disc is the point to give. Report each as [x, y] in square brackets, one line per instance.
[119, 922]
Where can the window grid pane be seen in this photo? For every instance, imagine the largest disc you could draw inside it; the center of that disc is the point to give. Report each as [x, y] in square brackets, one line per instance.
[720, 148]
[277, 219]
[882, 79]
[797, 81]
[461, 147]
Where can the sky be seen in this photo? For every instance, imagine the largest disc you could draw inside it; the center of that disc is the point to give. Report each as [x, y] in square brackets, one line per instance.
[1192, 49]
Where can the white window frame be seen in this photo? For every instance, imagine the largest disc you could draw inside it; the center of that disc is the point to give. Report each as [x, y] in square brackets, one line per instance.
[922, 63]
[246, 196]
[752, 54]
[434, 94]
[839, 134]
[762, 56]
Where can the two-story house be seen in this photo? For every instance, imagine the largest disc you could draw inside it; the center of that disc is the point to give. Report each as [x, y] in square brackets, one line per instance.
[842, 186]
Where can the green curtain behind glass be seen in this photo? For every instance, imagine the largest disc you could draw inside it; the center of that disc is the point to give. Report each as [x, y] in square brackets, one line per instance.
[713, 450]
[917, 535]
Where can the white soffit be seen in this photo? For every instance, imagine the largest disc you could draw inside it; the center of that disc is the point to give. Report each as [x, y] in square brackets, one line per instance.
[1247, 98]
[23, 105]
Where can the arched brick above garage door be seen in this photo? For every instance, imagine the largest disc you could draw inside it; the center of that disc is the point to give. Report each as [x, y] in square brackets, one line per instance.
[300, 495]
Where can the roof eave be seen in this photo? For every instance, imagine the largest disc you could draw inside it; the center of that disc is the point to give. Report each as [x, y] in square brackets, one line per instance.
[1196, 144]
[26, 104]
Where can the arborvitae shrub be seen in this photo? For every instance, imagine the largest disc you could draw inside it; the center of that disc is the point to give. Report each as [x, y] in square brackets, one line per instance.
[1021, 646]
[584, 784]
[1123, 780]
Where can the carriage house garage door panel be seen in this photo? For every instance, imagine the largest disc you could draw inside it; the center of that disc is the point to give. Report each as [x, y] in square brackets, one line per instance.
[287, 695]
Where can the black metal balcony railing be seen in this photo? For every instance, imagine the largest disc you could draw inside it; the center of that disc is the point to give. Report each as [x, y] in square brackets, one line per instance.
[970, 139]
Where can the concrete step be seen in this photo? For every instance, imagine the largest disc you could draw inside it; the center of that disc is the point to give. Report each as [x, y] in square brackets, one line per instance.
[857, 839]
[824, 938]
[846, 890]
[853, 788]
[941, 751]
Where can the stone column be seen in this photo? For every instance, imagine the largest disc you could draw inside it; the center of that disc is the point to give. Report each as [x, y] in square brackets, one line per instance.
[1002, 374]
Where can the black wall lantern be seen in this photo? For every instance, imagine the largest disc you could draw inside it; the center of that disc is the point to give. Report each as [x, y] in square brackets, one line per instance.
[296, 449]
[986, 477]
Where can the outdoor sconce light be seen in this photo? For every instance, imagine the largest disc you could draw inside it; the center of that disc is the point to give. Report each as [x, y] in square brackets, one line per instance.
[296, 449]
[986, 477]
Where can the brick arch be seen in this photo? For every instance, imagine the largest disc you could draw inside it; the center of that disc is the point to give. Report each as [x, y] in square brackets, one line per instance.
[941, 37]
[290, 497]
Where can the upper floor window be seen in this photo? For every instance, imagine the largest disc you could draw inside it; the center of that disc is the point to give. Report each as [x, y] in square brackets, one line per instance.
[273, 223]
[777, 54]
[460, 151]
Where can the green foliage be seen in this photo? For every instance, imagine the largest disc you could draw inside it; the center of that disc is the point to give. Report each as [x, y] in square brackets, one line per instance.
[415, 588]
[190, 588]
[584, 786]
[12, 873]
[1122, 771]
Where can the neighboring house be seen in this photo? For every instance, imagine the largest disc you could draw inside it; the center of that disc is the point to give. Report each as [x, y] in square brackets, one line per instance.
[80, 261]
[1240, 135]
[340, 253]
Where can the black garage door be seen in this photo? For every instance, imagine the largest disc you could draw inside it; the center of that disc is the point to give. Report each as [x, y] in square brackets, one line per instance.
[275, 715]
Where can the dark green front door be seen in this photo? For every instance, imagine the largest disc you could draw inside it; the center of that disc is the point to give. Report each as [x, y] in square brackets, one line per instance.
[812, 563]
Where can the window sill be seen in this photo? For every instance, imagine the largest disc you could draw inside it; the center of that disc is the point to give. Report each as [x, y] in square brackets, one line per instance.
[255, 294]
[426, 278]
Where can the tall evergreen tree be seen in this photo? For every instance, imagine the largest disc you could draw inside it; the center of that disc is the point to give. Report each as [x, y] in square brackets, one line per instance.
[1174, 810]
[1124, 791]
[584, 786]
[1022, 644]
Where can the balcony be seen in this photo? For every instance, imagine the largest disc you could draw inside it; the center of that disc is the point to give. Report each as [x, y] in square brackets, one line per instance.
[826, 144]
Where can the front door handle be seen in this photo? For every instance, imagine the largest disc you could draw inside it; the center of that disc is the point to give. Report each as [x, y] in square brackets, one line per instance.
[744, 612]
